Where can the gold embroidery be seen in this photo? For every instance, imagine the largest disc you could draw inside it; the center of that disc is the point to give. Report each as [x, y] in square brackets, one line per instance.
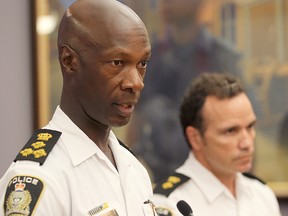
[38, 145]
[18, 201]
[172, 180]
[39, 153]
[44, 136]
[26, 152]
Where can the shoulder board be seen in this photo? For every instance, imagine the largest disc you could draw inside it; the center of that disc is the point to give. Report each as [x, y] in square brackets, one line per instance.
[169, 184]
[250, 175]
[39, 146]
[126, 147]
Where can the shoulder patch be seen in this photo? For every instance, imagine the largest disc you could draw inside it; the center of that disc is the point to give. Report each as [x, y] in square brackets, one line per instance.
[39, 146]
[161, 211]
[169, 184]
[22, 195]
[250, 175]
[126, 147]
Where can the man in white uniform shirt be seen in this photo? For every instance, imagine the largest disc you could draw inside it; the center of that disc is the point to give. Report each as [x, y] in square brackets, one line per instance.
[219, 125]
[75, 165]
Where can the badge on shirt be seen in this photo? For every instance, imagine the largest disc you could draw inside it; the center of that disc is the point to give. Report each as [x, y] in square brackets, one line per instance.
[103, 210]
[164, 211]
[22, 195]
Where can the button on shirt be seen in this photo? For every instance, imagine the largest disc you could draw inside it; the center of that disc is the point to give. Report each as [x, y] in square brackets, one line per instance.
[208, 196]
[79, 179]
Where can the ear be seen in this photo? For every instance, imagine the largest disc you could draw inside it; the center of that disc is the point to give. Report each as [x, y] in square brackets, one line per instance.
[194, 137]
[67, 59]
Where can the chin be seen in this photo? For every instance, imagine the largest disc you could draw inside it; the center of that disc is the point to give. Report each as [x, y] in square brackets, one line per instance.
[120, 123]
[245, 168]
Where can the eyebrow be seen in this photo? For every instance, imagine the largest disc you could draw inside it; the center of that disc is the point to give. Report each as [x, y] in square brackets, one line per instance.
[121, 52]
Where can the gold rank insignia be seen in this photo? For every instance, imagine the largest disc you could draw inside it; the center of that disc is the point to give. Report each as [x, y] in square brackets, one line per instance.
[22, 195]
[39, 146]
[170, 183]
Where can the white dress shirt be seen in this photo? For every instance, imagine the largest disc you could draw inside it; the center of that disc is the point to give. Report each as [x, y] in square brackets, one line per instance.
[207, 196]
[80, 180]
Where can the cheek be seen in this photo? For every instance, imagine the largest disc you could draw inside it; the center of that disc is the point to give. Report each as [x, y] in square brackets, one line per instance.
[220, 147]
[253, 135]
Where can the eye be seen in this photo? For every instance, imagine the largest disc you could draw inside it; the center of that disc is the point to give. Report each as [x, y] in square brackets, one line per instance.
[251, 126]
[231, 130]
[117, 63]
[143, 64]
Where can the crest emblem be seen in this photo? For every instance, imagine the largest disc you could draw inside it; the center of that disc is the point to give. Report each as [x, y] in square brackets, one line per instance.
[22, 195]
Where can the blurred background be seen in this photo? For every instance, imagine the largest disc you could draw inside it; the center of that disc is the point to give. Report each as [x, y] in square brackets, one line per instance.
[245, 37]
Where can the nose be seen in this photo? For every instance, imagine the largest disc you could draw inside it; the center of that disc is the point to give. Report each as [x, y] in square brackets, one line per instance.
[247, 139]
[133, 80]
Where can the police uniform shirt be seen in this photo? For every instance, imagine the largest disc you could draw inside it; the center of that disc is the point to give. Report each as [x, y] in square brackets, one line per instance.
[208, 196]
[77, 179]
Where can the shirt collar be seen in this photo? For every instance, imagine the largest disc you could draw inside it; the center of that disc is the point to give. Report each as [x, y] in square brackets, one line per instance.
[78, 145]
[210, 186]
[242, 186]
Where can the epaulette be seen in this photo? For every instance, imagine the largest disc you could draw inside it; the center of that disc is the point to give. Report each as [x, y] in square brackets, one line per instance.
[250, 175]
[169, 184]
[39, 146]
[126, 147]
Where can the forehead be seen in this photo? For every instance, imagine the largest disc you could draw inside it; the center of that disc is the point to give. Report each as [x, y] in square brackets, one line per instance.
[119, 31]
[103, 24]
[236, 111]
[132, 43]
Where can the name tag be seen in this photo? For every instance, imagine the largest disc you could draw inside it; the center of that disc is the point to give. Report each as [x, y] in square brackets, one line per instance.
[103, 210]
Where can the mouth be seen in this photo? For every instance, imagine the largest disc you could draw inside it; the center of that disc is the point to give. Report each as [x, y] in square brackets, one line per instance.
[125, 109]
[245, 159]
[244, 163]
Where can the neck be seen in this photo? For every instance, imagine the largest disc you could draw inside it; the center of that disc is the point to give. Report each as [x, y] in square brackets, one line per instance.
[97, 132]
[228, 179]
[229, 182]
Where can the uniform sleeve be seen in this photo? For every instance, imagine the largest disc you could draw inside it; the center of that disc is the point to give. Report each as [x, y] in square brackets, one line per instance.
[26, 189]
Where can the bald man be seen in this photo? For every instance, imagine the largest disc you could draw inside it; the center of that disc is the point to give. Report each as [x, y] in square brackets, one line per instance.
[75, 165]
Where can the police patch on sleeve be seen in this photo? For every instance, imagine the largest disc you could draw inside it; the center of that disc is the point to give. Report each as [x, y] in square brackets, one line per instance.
[22, 195]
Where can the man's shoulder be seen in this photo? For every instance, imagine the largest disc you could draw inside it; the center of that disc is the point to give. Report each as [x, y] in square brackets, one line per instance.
[256, 184]
[252, 176]
[170, 184]
[29, 163]
[39, 146]
[163, 198]
[260, 189]
[126, 147]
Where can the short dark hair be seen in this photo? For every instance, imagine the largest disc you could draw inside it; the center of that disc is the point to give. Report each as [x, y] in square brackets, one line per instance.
[221, 85]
